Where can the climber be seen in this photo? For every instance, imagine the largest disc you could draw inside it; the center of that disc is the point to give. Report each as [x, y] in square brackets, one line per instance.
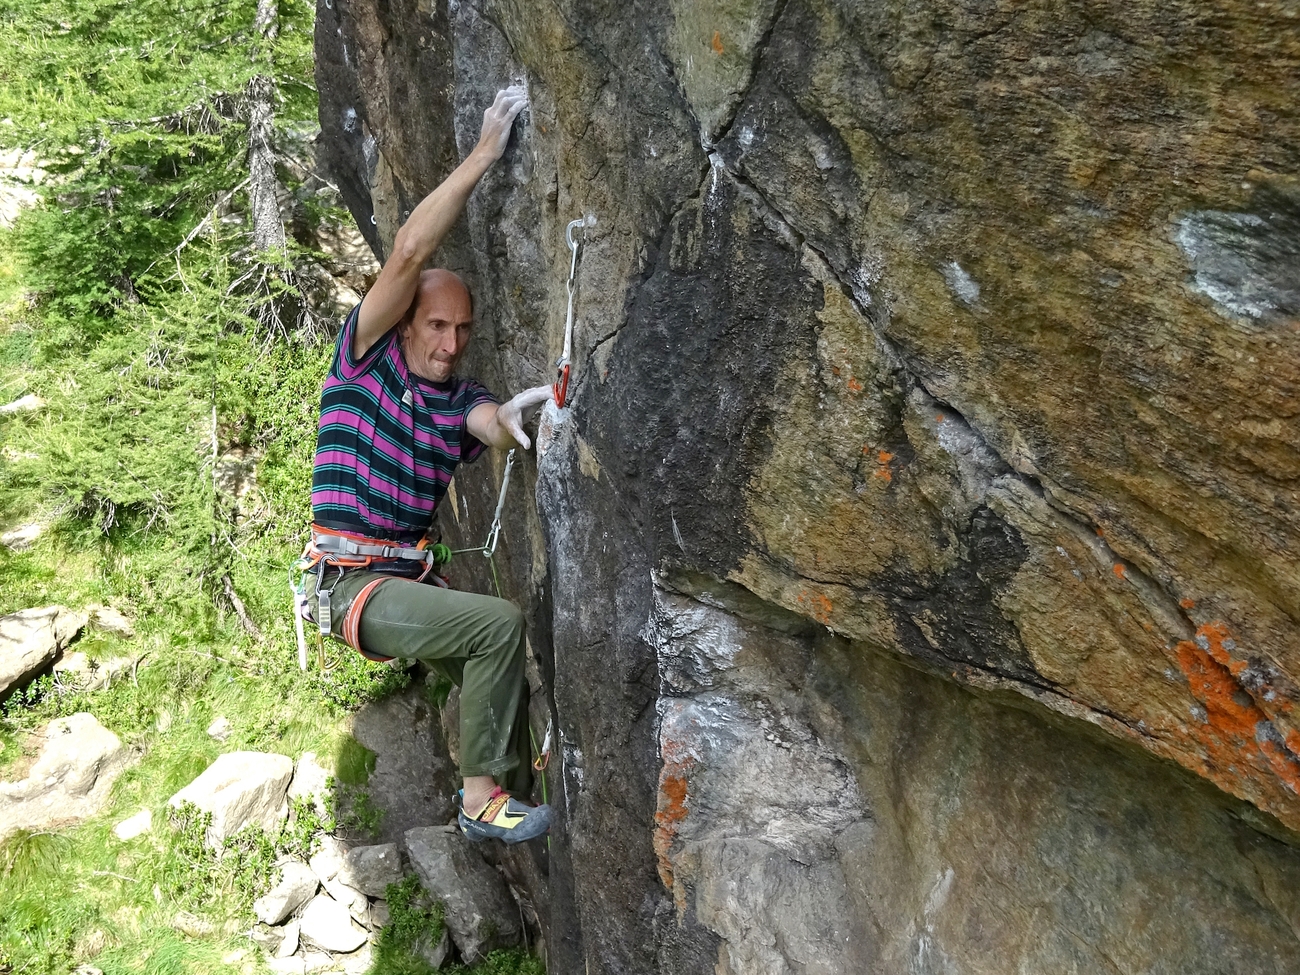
[395, 421]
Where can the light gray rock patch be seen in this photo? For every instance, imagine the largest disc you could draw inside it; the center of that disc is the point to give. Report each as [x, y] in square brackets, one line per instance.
[1248, 264]
[961, 284]
[240, 789]
[289, 943]
[480, 913]
[129, 829]
[70, 780]
[24, 404]
[31, 640]
[326, 861]
[310, 781]
[370, 869]
[297, 884]
[326, 924]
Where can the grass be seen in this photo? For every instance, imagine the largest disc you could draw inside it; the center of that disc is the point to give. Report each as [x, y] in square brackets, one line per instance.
[129, 312]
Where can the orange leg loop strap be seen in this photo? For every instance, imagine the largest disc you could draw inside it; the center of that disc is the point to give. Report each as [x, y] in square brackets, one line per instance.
[352, 621]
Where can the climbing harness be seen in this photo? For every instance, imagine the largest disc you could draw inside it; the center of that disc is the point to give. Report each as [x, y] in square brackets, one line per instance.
[330, 549]
[562, 364]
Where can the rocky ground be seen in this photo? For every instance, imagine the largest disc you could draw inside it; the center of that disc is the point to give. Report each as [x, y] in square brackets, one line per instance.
[325, 906]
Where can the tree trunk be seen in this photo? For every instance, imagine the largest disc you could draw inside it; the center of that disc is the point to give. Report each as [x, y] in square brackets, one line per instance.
[268, 231]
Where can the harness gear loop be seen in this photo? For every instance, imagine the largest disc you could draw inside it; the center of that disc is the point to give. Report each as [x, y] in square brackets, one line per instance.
[562, 364]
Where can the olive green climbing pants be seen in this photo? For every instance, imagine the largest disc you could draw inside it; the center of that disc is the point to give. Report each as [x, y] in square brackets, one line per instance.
[476, 641]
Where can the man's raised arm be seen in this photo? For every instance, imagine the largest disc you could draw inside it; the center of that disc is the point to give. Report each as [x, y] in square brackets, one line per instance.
[419, 237]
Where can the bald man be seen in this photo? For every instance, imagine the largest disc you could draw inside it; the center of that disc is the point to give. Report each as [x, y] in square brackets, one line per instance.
[395, 422]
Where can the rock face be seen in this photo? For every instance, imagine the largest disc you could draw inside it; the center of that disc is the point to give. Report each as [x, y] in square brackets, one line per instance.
[370, 869]
[240, 789]
[31, 640]
[413, 781]
[70, 780]
[915, 564]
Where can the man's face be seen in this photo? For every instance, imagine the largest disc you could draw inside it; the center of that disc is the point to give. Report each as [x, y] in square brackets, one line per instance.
[436, 337]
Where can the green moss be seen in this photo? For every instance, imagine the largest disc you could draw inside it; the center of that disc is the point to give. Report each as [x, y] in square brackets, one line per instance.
[353, 762]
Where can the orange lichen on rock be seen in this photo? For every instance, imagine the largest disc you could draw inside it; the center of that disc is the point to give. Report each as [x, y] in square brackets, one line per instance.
[818, 605]
[1120, 571]
[882, 471]
[669, 813]
[1242, 746]
[717, 42]
[854, 385]
[1187, 603]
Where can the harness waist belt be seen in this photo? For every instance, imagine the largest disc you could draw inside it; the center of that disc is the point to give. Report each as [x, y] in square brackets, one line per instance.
[331, 544]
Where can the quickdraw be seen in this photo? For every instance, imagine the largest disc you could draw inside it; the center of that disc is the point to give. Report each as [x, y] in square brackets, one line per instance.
[562, 364]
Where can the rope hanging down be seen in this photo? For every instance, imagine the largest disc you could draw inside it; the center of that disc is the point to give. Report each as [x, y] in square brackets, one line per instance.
[562, 363]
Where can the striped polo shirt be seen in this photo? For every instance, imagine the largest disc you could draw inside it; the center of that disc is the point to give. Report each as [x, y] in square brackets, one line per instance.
[388, 441]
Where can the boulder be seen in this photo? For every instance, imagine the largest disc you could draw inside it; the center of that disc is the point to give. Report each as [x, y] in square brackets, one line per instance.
[326, 924]
[478, 909]
[310, 781]
[319, 961]
[289, 941]
[413, 781]
[357, 962]
[370, 869]
[129, 829]
[240, 789]
[24, 404]
[31, 640]
[294, 965]
[327, 861]
[77, 672]
[23, 537]
[296, 886]
[110, 620]
[349, 897]
[70, 780]
[434, 952]
[269, 939]
[220, 728]
[379, 915]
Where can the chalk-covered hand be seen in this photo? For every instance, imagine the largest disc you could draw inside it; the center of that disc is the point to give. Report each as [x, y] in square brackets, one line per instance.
[498, 119]
[515, 412]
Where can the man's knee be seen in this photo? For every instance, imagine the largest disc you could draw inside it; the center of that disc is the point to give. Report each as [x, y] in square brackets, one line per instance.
[509, 622]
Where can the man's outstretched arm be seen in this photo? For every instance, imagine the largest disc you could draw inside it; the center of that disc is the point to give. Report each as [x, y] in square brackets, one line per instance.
[424, 230]
[503, 426]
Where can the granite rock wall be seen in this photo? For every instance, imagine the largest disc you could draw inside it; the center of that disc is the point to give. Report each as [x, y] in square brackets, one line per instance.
[913, 576]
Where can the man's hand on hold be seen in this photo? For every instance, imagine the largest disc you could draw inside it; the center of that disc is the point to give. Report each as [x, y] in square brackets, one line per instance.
[499, 118]
[519, 409]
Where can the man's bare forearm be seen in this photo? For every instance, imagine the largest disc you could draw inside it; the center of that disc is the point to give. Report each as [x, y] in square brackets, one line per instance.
[431, 221]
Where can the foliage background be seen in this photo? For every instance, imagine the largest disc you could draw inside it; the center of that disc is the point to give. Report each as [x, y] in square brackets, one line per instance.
[174, 361]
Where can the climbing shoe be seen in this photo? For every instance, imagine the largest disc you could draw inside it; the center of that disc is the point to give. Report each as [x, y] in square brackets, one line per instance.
[507, 819]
